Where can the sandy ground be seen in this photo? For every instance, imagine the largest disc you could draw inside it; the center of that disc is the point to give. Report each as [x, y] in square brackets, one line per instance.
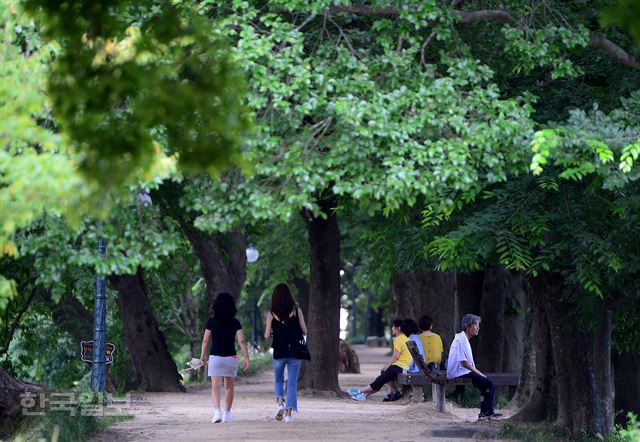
[186, 417]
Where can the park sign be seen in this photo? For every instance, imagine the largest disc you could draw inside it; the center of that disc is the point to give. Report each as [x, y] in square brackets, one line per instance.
[86, 351]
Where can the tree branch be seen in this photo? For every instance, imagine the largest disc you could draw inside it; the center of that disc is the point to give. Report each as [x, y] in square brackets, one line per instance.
[610, 48]
[601, 43]
[16, 322]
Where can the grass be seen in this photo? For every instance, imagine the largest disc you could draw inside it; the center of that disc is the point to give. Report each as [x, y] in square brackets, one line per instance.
[545, 432]
[60, 426]
[258, 363]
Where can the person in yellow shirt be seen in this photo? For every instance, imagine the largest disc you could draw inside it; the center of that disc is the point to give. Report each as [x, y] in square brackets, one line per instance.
[399, 362]
[431, 342]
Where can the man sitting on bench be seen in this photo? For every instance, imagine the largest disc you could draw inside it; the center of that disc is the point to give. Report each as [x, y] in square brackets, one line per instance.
[460, 365]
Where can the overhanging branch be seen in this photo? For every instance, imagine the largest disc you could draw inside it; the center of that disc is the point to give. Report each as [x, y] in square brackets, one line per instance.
[601, 43]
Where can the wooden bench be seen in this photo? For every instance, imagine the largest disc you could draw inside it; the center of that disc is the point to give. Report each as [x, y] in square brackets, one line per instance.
[438, 379]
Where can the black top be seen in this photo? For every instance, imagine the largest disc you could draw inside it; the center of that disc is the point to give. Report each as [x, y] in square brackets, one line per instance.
[224, 336]
[284, 336]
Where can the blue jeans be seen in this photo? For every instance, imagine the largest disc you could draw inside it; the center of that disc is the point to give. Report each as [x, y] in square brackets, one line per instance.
[293, 368]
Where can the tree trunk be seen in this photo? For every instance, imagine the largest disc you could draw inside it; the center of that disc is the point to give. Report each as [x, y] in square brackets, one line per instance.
[154, 366]
[324, 298]
[536, 392]
[302, 287]
[603, 370]
[222, 256]
[10, 391]
[515, 317]
[578, 395]
[426, 293]
[490, 343]
[70, 315]
[223, 261]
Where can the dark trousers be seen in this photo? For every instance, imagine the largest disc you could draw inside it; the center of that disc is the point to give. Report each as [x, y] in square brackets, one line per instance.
[388, 375]
[487, 391]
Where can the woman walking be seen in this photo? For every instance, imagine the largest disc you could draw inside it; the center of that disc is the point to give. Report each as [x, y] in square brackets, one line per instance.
[285, 323]
[222, 330]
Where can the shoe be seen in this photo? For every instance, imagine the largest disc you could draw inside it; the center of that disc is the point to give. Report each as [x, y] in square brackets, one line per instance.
[359, 397]
[489, 416]
[353, 391]
[217, 416]
[288, 418]
[227, 417]
[280, 413]
[392, 397]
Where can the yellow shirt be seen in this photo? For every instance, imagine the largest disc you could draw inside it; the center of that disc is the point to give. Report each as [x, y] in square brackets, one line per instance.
[432, 346]
[400, 344]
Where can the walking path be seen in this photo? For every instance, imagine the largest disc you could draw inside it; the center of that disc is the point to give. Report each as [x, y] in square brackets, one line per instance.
[186, 417]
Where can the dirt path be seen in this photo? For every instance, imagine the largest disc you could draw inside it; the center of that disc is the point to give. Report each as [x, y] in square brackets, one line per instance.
[186, 417]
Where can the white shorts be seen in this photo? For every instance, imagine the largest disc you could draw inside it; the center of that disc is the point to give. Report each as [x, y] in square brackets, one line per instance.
[226, 366]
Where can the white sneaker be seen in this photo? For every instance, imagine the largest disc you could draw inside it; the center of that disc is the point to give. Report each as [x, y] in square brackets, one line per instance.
[217, 416]
[288, 418]
[280, 413]
[227, 417]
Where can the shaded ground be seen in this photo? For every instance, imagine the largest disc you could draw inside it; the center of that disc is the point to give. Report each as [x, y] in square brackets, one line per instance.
[183, 417]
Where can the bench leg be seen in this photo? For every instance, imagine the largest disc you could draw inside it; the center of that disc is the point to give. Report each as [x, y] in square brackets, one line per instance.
[416, 393]
[438, 397]
[512, 391]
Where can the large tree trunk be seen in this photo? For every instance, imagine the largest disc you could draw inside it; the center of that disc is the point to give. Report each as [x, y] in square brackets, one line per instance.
[223, 261]
[490, 345]
[603, 370]
[155, 368]
[324, 299]
[70, 315]
[10, 391]
[222, 256]
[515, 317]
[579, 399]
[536, 391]
[430, 293]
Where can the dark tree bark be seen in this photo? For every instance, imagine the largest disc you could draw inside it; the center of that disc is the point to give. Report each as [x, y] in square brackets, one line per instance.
[430, 293]
[536, 392]
[10, 391]
[222, 256]
[603, 370]
[376, 323]
[490, 345]
[302, 287]
[223, 261]
[324, 298]
[579, 395]
[515, 317]
[154, 366]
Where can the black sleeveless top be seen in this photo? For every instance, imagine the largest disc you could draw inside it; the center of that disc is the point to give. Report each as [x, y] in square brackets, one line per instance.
[284, 335]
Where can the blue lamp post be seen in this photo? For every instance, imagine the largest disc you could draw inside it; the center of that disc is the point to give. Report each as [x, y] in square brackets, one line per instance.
[98, 368]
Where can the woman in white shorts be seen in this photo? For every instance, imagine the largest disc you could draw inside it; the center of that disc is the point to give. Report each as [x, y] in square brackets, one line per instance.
[220, 334]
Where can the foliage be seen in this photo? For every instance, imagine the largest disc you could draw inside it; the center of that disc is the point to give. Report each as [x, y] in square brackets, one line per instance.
[131, 76]
[631, 432]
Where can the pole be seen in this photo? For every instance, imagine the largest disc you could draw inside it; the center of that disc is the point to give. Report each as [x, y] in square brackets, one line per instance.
[367, 317]
[354, 309]
[254, 323]
[98, 368]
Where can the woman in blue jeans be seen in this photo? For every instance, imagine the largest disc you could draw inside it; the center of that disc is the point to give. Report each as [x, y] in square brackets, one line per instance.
[285, 323]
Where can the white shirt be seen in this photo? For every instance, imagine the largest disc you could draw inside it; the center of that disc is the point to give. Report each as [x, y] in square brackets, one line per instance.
[460, 351]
